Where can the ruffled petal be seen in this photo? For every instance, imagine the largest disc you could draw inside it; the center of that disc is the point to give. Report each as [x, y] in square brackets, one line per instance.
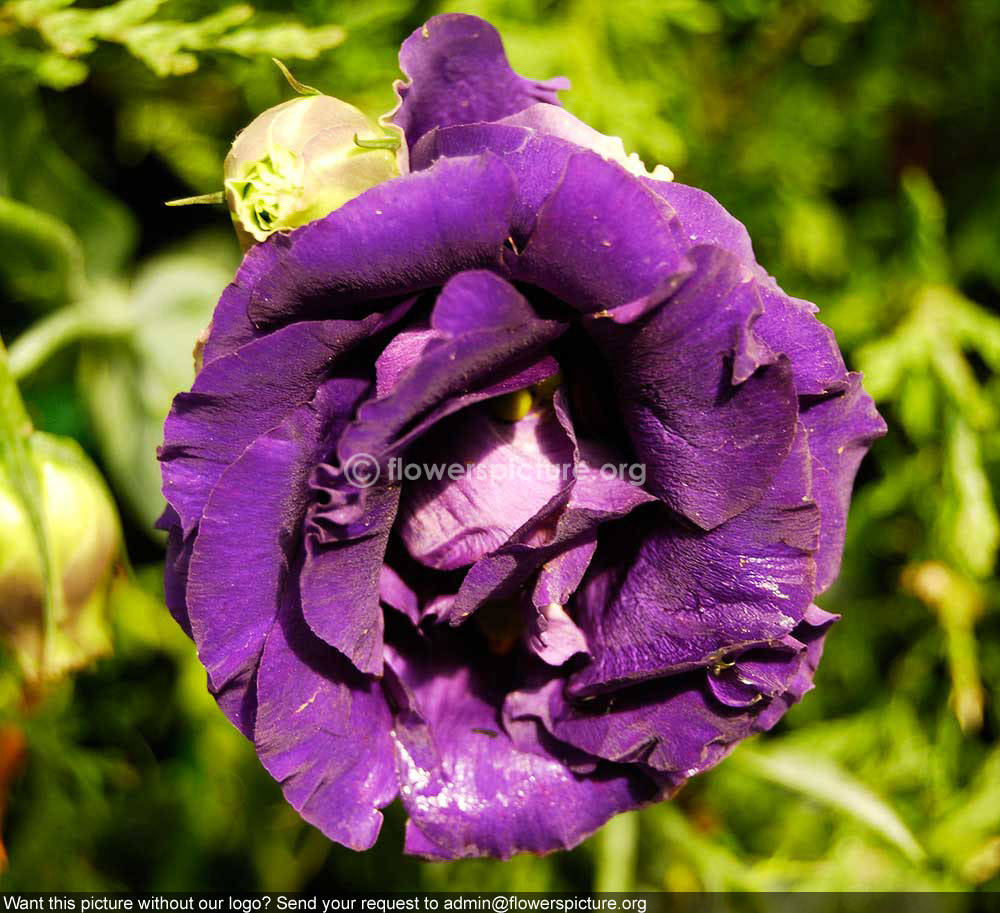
[677, 725]
[841, 429]
[240, 558]
[489, 341]
[560, 576]
[672, 725]
[469, 791]
[674, 598]
[704, 220]
[787, 325]
[175, 567]
[703, 399]
[397, 594]
[763, 672]
[458, 73]
[231, 326]
[571, 518]
[552, 635]
[536, 160]
[209, 427]
[402, 236]
[322, 731]
[535, 144]
[811, 632]
[340, 582]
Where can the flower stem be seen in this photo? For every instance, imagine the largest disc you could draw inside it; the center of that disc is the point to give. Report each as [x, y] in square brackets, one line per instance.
[67, 325]
[616, 854]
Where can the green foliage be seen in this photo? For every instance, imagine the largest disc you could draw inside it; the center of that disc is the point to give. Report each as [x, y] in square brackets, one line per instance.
[168, 47]
[855, 141]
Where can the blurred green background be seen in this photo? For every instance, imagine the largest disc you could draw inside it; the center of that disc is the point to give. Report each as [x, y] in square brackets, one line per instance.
[858, 142]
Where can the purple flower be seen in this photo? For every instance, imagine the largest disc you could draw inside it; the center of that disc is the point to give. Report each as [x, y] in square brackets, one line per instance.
[406, 533]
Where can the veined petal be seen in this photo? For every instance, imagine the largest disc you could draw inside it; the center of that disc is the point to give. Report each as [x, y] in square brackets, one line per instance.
[468, 789]
[322, 731]
[841, 429]
[672, 598]
[703, 399]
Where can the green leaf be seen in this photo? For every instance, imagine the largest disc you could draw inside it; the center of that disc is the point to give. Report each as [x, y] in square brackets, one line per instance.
[824, 781]
[47, 68]
[36, 172]
[130, 382]
[43, 259]
[289, 39]
[970, 524]
[73, 323]
[617, 845]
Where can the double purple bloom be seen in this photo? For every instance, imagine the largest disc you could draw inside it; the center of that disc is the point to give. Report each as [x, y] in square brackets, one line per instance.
[521, 653]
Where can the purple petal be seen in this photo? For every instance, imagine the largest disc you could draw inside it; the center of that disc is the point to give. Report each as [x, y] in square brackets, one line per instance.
[552, 635]
[340, 583]
[402, 236]
[509, 472]
[841, 429]
[458, 74]
[489, 342]
[175, 567]
[231, 326]
[571, 519]
[559, 577]
[811, 632]
[691, 421]
[672, 725]
[787, 325]
[239, 562]
[703, 220]
[537, 161]
[396, 593]
[763, 672]
[469, 791]
[403, 352]
[676, 598]
[208, 428]
[602, 239]
[677, 725]
[322, 731]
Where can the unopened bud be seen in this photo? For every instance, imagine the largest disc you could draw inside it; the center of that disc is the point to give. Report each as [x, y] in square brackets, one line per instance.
[84, 540]
[300, 161]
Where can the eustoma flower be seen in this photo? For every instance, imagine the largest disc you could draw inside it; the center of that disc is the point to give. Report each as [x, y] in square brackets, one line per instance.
[524, 647]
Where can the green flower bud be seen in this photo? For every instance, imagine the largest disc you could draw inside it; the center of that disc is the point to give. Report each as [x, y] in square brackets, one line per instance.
[83, 535]
[303, 159]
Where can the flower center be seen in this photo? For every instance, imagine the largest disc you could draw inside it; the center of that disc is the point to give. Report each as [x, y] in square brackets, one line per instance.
[503, 625]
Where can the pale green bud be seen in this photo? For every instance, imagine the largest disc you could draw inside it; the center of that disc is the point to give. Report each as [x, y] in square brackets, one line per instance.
[84, 539]
[303, 159]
